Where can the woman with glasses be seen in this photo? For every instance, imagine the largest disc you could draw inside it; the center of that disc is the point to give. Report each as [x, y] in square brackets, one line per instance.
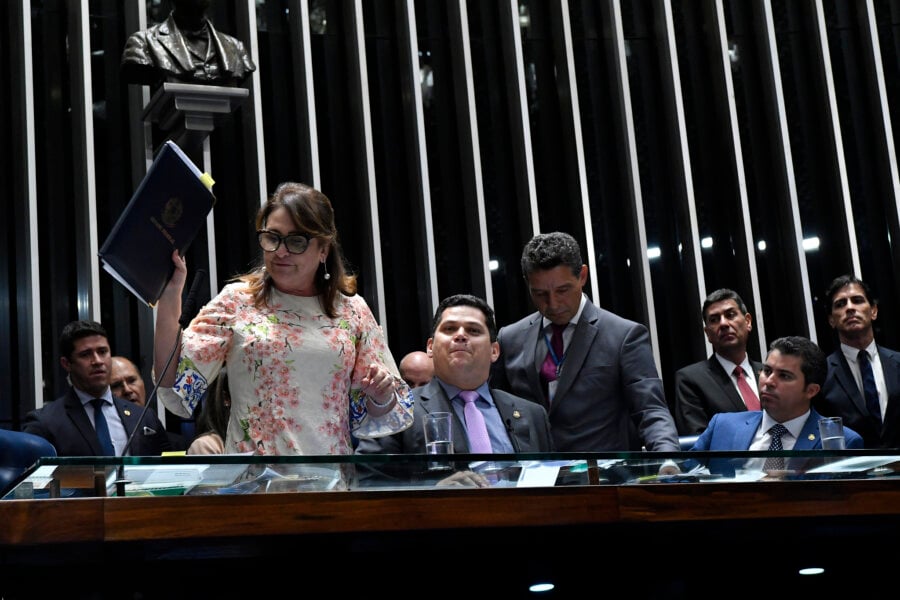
[308, 364]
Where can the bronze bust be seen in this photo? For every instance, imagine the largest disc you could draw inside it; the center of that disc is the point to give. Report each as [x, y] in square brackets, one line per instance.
[185, 48]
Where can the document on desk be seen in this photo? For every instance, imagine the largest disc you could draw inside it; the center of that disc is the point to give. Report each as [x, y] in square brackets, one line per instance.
[146, 477]
[855, 464]
[545, 473]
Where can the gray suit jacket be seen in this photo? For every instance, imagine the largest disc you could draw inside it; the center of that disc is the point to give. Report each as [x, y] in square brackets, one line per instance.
[609, 394]
[525, 421]
[841, 397]
[703, 389]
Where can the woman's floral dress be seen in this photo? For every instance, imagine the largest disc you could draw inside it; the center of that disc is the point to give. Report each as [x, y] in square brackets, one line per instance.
[293, 373]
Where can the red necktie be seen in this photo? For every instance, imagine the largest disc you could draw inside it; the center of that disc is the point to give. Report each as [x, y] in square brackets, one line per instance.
[750, 399]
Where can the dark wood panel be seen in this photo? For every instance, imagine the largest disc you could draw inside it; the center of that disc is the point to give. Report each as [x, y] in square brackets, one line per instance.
[130, 519]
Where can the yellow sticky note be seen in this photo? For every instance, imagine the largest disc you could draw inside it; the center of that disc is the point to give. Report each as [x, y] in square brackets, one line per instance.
[207, 180]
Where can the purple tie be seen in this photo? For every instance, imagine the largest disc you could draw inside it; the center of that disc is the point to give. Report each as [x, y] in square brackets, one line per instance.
[479, 442]
[549, 369]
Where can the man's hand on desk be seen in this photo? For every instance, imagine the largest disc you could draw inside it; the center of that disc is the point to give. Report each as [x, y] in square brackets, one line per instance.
[669, 468]
[464, 479]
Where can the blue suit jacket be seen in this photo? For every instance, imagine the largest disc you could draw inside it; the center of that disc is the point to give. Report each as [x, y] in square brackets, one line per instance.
[841, 397]
[735, 431]
[609, 394]
[527, 424]
[64, 424]
[703, 389]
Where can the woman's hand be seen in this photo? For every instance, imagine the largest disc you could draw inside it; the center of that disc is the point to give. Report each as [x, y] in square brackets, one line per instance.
[379, 386]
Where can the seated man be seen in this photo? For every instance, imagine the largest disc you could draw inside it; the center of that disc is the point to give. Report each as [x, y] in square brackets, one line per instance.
[126, 382]
[463, 346]
[89, 420]
[791, 377]
[416, 369]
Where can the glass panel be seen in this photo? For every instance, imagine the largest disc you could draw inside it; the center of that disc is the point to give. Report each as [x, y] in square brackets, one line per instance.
[73, 477]
[401, 214]
[872, 192]
[768, 196]
[61, 205]
[825, 243]
[662, 186]
[450, 164]
[609, 190]
[507, 210]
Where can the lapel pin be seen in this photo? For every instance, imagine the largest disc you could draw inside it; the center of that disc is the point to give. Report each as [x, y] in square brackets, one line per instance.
[812, 437]
[517, 414]
[127, 413]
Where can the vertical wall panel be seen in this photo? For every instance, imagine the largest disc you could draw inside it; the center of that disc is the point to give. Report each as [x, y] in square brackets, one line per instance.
[727, 136]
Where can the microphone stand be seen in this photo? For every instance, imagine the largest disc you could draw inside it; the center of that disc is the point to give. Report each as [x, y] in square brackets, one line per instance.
[121, 481]
[188, 311]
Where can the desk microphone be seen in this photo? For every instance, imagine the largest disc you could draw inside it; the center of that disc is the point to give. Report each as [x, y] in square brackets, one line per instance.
[188, 311]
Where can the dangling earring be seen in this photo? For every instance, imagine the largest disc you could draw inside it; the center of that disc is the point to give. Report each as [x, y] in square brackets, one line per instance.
[327, 275]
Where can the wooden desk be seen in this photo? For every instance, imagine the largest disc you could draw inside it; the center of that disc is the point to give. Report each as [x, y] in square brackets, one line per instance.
[667, 537]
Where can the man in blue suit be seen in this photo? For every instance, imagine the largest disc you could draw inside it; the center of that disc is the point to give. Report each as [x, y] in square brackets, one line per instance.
[602, 389]
[792, 375]
[69, 422]
[852, 312]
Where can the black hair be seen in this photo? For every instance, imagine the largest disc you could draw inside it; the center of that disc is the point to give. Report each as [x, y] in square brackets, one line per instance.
[549, 250]
[76, 330]
[720, 295]
[813, 363]
[466, 300]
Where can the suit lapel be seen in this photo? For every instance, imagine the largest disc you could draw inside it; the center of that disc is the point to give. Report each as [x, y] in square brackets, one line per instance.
[79, 417]
[128, 417]
[533, 334]
[890, 365]
[809, 435]
[175, 46]
[844, 377]
[718, 373]
[586, 330]
[744, 437]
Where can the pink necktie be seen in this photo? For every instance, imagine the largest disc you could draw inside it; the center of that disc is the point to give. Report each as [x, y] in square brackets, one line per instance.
[479, 441]
[750, 399]
[551, 364]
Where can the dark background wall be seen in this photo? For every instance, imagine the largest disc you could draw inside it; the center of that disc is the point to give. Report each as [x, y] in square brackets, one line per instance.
[688, 145]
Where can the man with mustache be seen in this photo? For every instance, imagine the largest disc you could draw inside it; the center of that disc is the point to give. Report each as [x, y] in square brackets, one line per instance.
[715, 385]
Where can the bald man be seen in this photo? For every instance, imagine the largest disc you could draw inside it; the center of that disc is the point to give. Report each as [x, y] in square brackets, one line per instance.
[416, 368]
[126, 382]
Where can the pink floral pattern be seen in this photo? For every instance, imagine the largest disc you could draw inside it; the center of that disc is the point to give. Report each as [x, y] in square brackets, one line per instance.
[294, 374]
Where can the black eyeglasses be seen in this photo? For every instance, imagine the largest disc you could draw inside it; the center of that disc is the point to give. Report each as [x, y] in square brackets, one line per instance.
[296, 243]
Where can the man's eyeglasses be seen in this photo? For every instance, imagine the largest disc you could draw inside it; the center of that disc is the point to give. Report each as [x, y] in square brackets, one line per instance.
[296, 243]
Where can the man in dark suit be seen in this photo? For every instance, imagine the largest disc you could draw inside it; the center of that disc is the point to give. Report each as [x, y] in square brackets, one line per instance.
[600, 385]
[852, 311]
[463, 346]
[69, 422]
[791, 377]
[711, 386]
